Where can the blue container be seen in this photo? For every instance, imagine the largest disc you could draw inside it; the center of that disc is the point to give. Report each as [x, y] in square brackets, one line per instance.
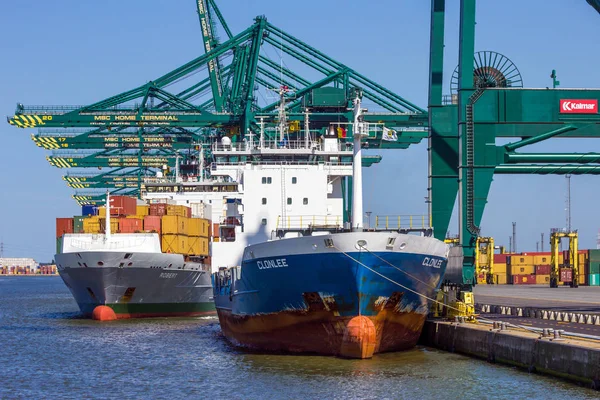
[88, 210]
[594, 280]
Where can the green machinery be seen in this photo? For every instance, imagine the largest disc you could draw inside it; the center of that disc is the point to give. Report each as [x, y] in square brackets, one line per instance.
[150, 126]
[221, 93]
[489, 103]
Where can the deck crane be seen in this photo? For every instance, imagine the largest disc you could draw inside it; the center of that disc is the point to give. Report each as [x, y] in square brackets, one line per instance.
[595, 4]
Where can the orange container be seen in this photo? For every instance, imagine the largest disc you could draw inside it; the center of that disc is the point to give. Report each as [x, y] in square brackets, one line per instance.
[152, 223]
[63, 225]
[130, 225]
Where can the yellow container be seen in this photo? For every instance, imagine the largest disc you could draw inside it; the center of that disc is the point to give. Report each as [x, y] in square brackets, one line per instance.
[197, 246]
[141, 211]
[499, 269]
[500, 279]
[91, 225]
[542, 260]
[542, 279]
[517, 259]
[175, 244]
[102, 211]
[174, 225]
[582, 258]
[522, 269]
[198, 227]
[581, 279]
[174, 210]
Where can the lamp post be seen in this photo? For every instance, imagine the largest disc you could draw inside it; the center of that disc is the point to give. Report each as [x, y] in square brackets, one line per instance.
[368, 213]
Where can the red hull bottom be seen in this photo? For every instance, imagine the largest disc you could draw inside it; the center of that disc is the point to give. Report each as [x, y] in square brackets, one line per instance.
[162, 315]
[322, 332]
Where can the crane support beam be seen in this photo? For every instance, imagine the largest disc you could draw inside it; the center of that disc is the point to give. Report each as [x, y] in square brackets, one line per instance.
[539, 138]
[548, 169]
[582, 158]
[210, 42]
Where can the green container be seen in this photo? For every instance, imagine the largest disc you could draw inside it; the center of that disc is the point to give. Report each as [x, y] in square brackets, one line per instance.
[78, 224]
[594, 280]
[58, 245]
[594, 255]
[594, 267]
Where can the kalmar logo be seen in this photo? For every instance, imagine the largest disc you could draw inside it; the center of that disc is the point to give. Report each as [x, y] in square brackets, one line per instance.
[579, 106]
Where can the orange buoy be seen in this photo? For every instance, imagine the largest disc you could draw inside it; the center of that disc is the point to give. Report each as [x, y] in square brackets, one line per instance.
[104, 313]
[360, 338]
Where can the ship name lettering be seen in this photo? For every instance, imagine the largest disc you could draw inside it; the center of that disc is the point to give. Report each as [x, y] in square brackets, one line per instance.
[274, 263]
[168, 275]
[432, 262]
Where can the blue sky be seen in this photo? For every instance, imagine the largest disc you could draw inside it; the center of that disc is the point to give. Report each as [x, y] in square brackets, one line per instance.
[73, 52]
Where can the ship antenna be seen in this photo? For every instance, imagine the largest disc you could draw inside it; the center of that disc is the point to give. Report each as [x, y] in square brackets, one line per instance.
[357, 196]
[107, 227]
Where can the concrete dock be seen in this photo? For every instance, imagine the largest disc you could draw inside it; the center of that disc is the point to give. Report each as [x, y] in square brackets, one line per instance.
[521, 342]
[573, 360]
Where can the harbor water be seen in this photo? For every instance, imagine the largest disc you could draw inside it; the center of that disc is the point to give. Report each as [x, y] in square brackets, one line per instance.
[49, 351]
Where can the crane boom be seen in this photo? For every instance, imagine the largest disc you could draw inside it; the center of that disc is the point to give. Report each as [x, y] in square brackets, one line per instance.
[210, 42]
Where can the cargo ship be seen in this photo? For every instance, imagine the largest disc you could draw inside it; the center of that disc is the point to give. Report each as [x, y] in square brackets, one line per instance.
[319, 285]
[139, 261]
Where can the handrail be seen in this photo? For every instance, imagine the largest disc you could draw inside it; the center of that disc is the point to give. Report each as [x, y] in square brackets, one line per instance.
[309, 221]
[418, 221]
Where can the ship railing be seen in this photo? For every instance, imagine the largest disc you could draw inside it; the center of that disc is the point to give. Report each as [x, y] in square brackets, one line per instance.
[215, 165]
[311, 222]
[401, 222]
[281, 145]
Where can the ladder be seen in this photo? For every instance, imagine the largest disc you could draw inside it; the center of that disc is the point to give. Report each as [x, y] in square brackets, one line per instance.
[470, 149]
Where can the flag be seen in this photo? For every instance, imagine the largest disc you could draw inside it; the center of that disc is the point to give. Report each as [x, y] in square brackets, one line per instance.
[389, 135]
[341, 132]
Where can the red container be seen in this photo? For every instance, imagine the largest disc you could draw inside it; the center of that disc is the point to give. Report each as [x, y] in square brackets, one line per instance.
[500, 258]
[189, 212]
[566, 275]
[215, 232]
[523, 279]
[158, 209]
[63, 225]
[130, 225]
[152, 223]
[543, 269]
[123, 205]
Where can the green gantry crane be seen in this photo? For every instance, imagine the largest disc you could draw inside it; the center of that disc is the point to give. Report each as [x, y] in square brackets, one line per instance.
[214, 95]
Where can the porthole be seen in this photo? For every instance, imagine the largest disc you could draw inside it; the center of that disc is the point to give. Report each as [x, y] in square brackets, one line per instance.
[402, 246]
[100, 263]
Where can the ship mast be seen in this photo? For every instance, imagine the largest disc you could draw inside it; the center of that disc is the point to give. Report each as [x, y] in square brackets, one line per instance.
[357, 196]
[107, 227]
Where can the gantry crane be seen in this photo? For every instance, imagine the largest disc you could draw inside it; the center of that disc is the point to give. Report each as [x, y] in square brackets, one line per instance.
[214, 95]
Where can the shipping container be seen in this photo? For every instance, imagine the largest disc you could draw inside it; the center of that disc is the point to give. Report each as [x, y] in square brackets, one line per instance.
[500, 258]
[594, 280]
[215, 231]
[64, 225]
[521, 269]
[102, 212]
[582, 279]
[130, 225]
[78, 224]
[152, 223]
[176, 244]
[174, 225]
[566, 275]
[197, 246]
[123, 205]
[594, 267]
[523, 279]
[88, 210]
[142, 211]
[543, 269]
[542, 279]
[92, 224]
[180, 211]
[198, 227]
[500, 268]
[59, 245]
[519, 259]
[542, 260]
[201, 210]
[158, 209]
[114, 225]
[594, 255]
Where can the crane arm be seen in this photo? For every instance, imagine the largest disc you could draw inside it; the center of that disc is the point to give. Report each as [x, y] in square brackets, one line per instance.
[210, 41]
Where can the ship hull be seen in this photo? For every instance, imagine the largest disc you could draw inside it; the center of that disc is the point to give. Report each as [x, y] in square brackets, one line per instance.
[296, 295]
[154, 285]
